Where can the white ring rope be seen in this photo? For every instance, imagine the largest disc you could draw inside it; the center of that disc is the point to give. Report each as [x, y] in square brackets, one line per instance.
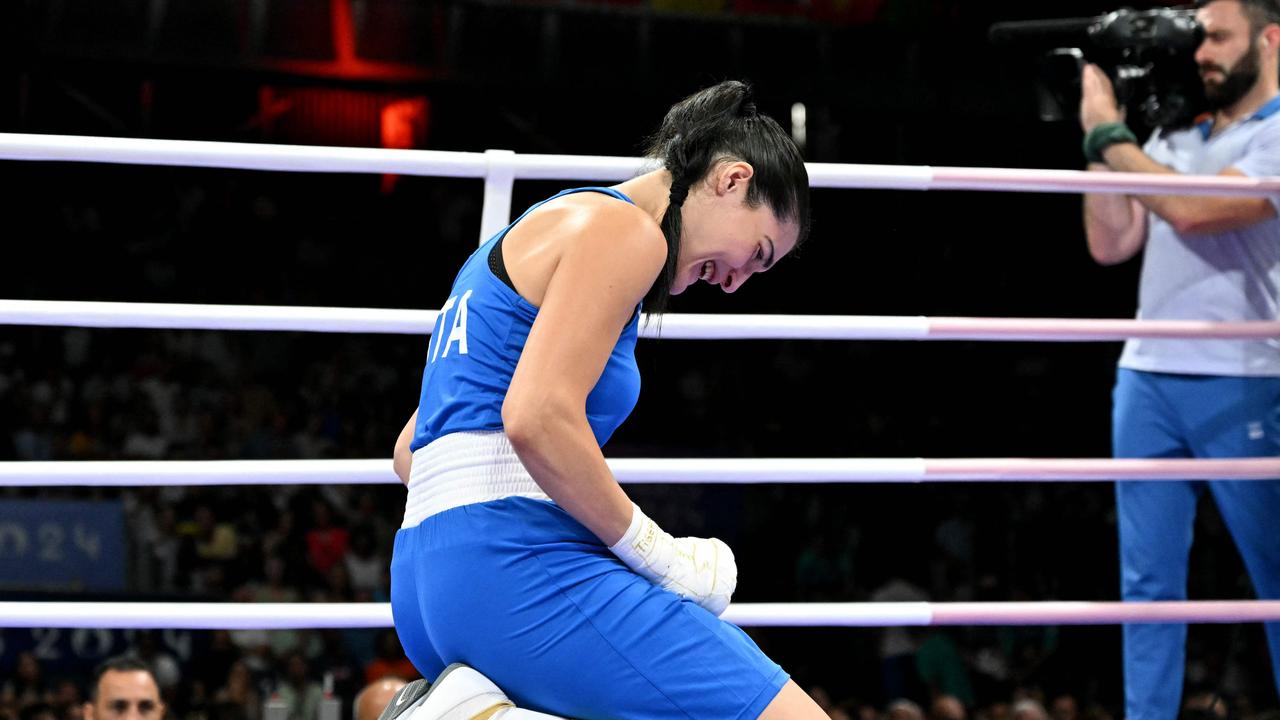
[684, 326]
[258, 616]
[248, 156]
[145, 473]
[499, 170]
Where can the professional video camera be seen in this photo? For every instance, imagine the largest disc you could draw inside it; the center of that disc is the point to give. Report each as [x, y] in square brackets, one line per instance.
[1149, 55]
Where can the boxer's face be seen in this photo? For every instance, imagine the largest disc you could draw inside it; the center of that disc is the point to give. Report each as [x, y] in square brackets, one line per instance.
[724, 240]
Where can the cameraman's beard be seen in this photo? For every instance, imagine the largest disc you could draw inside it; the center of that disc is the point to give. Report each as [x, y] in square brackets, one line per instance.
[1238, 82]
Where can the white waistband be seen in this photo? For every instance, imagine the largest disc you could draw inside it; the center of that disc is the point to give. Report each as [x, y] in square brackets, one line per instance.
[462, 469]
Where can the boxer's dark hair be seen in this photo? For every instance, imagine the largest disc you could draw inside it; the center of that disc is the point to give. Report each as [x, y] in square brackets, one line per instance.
[721, 124]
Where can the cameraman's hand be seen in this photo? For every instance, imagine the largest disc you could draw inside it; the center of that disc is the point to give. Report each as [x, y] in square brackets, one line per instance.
[1098, 103]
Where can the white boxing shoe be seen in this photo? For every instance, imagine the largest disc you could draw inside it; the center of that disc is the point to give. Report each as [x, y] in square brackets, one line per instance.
[405, 698]
[460, 693]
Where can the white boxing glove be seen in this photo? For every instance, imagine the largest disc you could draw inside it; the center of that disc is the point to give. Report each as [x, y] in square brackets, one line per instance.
[700, 569]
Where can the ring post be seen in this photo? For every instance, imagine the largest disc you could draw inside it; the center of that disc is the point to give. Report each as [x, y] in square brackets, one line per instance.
[498, 181]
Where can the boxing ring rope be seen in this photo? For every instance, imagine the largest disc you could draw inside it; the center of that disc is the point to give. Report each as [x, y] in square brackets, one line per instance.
[637, 471]
[297, 158]
[280, 616]
[499, 169]
[676, 326]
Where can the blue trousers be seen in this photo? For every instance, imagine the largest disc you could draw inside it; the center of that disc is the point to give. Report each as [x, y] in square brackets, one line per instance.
[524, 593]
[1159, 415]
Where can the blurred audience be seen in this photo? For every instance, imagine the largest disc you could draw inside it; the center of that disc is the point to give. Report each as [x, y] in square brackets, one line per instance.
[947, 707]
[903, 710]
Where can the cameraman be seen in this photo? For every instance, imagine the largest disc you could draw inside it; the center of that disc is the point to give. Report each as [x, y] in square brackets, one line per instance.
[1207, 258]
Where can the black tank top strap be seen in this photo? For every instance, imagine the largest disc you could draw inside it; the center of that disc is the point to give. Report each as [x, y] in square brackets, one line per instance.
[498, 266]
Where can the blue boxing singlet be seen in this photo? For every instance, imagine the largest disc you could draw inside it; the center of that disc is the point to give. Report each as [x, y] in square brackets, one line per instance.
[478, 338]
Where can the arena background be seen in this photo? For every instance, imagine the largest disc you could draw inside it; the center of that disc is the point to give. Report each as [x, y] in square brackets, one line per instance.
[883, 81]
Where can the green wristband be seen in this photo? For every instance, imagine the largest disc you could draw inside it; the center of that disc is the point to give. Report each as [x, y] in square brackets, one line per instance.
[1104, 136]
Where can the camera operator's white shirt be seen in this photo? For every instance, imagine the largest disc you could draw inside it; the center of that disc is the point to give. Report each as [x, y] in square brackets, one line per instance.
[1225, 277]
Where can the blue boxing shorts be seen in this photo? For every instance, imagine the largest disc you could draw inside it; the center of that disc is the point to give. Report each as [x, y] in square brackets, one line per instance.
[521, 591]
